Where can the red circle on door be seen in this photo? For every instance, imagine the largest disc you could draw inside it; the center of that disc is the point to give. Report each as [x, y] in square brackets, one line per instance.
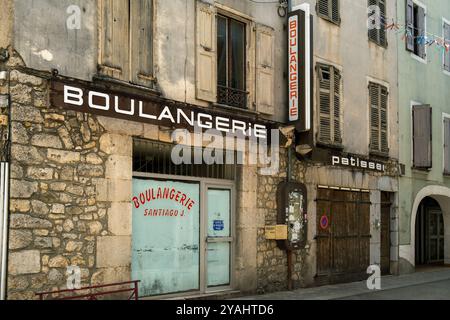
[324, 222]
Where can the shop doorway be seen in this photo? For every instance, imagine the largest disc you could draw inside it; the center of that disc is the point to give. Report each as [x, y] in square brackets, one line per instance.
[183, 237]
[429, 244]
[343, 235]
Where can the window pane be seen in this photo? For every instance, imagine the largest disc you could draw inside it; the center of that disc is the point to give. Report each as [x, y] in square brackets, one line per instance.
[218, 264]
[219, 213]
[166, 232]
[237, 55]
[222, 51]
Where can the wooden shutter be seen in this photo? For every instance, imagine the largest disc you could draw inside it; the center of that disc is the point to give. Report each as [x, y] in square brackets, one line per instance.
[447, 53]
[374, 97]
[421, 31]
[410, 25]
[323, 7]
[265, 59]
[422, 136]
[384, 138]
[114, 56]
[337, 106]
[447, 145]
[141, 42]
[325, 121]
[373, 32]
[206, 62]
[335, 17]
[382, 31]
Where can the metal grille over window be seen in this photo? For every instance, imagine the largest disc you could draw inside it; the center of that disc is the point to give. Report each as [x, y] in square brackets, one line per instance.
[378, 96]
[329, 10]
[155, 157]
[329, 105]
[377, 33]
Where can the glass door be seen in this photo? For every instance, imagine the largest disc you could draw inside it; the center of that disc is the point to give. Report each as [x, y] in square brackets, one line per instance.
[219, 240]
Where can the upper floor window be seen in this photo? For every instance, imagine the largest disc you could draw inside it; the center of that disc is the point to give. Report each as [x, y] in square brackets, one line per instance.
[329, 10]
[231, 88]
[329, 101]
[225, 60]
[378, 97]
[446, 32]
[422, 136]
[377, 31]
[415, 28]
[126, 40]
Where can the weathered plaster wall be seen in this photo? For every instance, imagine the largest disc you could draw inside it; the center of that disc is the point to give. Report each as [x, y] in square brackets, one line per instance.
[347, 47]
[42, 38]
[6, 23]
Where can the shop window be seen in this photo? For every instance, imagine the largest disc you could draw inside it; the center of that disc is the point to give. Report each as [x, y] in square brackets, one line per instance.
[422, 136]
[378, 97]
[378, 35]
[446, 32]
[415, 28]
[155, 157]
[126, 41]
[447, 145]
[329, 100]
[329, 10]
[231, 62]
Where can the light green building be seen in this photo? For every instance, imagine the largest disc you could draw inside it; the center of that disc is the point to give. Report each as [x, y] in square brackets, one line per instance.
[424, 121]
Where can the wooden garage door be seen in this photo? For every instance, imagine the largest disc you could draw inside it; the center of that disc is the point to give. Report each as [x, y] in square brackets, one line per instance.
[343, 244]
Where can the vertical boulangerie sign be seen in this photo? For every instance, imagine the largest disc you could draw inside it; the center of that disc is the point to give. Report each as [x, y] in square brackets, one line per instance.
[166, 235]
[299, 68]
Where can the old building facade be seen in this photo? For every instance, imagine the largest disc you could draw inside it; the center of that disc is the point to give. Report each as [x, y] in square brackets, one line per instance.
[424, 129]
[83, 179]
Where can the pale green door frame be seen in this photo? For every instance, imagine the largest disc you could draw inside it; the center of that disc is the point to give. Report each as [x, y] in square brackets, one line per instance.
[209, 240]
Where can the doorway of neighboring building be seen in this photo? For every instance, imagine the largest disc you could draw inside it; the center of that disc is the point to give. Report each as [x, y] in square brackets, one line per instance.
[385, 248]
[429, 233]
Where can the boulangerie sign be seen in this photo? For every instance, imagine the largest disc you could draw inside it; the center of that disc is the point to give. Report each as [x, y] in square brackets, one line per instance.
[154, 110]
[299, 64]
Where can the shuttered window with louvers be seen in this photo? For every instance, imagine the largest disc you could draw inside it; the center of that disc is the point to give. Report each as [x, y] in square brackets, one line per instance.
[329, 10]
[329, 96]
[377, 33]
[379, 136]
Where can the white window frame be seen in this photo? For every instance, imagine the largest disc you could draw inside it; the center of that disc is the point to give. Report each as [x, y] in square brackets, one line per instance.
[413, 55]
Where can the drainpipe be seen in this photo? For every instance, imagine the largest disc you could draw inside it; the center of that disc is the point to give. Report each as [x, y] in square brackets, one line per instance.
[4, 196]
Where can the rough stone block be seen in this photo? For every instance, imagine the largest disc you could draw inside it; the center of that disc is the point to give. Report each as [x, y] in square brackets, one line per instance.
[24, 262]
[113, 251]
[120, 219]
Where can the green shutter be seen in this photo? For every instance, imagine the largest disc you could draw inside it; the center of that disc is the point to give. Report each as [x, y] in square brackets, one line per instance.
[374, 97]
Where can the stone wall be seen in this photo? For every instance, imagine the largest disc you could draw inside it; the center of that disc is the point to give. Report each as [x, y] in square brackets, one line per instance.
[55, 212]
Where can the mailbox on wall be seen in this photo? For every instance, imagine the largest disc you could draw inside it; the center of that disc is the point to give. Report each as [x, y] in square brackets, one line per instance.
[292, 205]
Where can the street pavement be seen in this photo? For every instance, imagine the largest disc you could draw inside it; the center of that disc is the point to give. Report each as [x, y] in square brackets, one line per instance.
[428, 285]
